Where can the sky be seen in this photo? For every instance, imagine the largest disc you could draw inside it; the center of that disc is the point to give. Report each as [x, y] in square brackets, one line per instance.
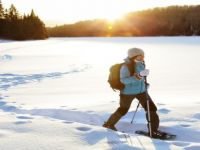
[56, 12]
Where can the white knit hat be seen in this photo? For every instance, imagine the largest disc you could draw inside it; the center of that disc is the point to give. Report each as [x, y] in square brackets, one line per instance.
[132, 52]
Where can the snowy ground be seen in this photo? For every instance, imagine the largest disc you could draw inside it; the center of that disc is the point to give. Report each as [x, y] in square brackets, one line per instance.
[54, 94]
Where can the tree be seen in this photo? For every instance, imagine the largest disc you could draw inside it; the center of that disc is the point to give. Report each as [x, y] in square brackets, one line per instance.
[33, 27]
[13, 13]
[1, 10]
[6, 16]
[32, 14]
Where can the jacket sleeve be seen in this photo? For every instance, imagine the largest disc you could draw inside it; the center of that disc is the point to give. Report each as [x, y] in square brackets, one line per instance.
[125, 77]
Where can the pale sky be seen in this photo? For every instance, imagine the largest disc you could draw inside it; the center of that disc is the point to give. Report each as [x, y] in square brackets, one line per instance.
[54, 12]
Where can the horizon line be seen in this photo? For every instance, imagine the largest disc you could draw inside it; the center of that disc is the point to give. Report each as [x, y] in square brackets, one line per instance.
[54, 24]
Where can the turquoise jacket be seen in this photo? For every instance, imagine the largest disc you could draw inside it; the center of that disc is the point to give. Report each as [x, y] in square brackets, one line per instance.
[132, 84]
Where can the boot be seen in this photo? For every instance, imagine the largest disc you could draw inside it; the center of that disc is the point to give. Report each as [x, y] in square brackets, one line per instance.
[112, 127]
[114, 118]
[158, 134]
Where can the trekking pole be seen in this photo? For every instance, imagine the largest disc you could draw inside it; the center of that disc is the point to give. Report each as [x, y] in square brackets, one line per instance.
[148, 108]
[135, 112]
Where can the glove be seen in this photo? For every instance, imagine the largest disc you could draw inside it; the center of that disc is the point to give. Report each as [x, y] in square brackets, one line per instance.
[144, 73]
[137, 76]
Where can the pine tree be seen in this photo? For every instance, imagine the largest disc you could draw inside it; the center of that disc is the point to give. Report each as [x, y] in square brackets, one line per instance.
[13, 13]
[32, 14]
[6, 16]
[1, 10]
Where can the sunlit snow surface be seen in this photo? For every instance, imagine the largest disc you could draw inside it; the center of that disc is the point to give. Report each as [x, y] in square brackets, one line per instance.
[55, 95]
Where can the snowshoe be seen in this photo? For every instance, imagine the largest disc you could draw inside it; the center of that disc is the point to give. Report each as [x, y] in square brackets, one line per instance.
[157, 134]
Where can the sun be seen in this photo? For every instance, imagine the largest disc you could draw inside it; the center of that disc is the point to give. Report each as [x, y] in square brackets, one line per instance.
[114, 16]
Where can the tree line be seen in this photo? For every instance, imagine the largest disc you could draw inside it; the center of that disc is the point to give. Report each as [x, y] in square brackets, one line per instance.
[161, 21]
[18, 27]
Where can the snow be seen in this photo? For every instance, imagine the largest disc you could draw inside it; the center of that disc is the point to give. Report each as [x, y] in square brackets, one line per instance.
[54, 93]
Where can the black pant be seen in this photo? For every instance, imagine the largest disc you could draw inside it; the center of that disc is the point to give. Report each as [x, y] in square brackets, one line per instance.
[125, 103]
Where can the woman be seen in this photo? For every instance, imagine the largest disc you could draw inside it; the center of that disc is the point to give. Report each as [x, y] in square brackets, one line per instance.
[134, 88]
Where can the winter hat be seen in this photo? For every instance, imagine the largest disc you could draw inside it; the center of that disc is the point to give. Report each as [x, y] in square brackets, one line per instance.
[132, 52]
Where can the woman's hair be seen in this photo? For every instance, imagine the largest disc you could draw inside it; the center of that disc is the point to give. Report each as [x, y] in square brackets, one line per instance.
[131, 65]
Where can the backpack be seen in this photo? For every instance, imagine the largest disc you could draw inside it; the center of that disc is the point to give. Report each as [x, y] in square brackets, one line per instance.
[114, 76]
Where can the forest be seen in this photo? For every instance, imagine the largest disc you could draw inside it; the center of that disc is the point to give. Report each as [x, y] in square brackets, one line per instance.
[163, 21]
[20, 27]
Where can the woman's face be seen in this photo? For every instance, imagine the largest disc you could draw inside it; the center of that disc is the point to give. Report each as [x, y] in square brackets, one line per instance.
[139, 58]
